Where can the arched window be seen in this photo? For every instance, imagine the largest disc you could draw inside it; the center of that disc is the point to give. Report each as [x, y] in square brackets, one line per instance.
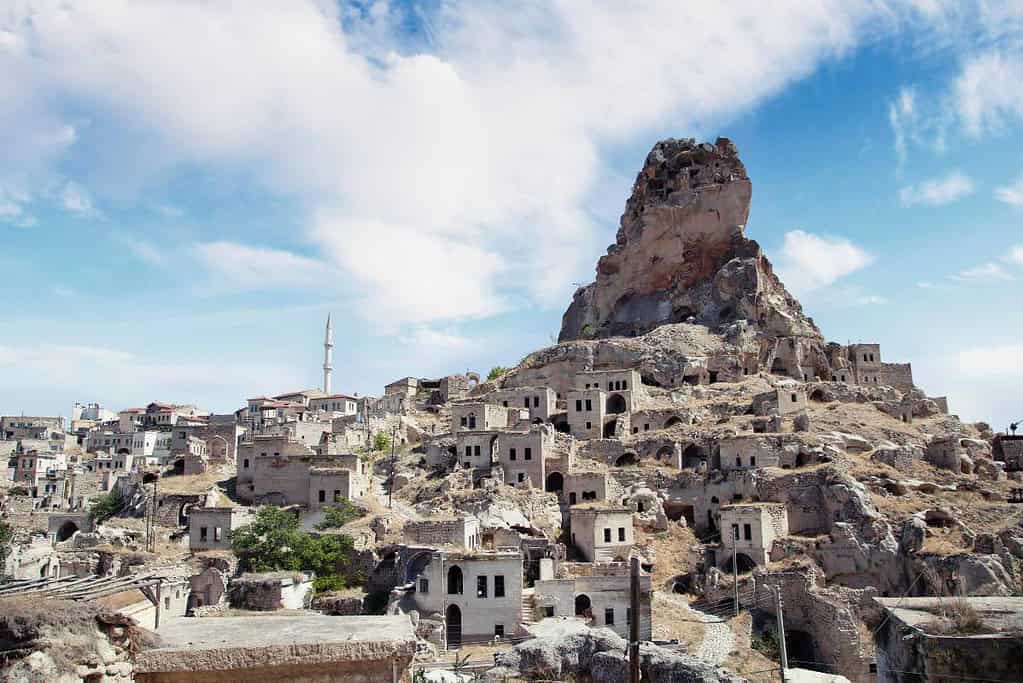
[472, 420]
[454, 581]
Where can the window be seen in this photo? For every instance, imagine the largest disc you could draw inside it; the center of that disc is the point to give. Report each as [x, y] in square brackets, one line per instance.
[621, 534]
[747, 532]
[463, 420]
[753, 461]
[548, 611]
[609, 616]
[476, 451]
[589, 405]
[528, 453]
[505, 403]
[536, 401]
[499, 630]
[202, 533]
[511, 454]
[578, 406]
[794, 399]
[499, 586]
[738, 461]
[217, 534]
[607, 535]
[525, 402]
[625, 385]
[646, 427]
[589, 425]
[424, 585]
[610, 386]
[571, 498]
[522, 476]
[481, 586]
[735, 531]
[322, 496]
[337, 495]
[468, 451]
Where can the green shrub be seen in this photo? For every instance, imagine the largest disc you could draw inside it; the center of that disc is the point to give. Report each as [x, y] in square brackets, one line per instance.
[105, 506]
[337, 515]
[496, 372]
[18, 491]
[381, 442]
[6, 536]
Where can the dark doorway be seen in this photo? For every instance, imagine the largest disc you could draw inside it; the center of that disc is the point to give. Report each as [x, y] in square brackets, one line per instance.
[800, 650]
[616, 404]
[582, 606]
[626, 459]
[555, 483]
[672, 421]
[609, 429]
[691, 456]
[454, 622]
[66, 531]
[677, 511]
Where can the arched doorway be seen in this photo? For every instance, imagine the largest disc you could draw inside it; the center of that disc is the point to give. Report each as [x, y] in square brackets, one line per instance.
[626, 459]
[743, 562]
[583, 606]
[691, 456]
[453, 617]
[665, 452]
[799, 647]
[183, 514]
[672, 421]
[66, 531]
[609, 429]
[455, 581]
[616, 404]
[818, 395]
[802, 459]
[555, 483]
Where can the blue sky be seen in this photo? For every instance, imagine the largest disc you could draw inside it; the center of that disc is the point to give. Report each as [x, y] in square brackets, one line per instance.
[188, 188]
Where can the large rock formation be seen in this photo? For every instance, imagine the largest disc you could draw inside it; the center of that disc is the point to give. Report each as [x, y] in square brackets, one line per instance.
[681, 254]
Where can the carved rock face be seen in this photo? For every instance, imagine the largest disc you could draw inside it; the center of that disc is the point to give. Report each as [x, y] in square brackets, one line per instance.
[681, 253]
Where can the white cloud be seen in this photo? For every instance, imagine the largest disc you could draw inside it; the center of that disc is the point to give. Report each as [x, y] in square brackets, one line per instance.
[1015, 255]
[902, 118]
[1011, 194]
[437, 339]
[145, 252]
[77, 200]
[937, 191]
[986, 272]
[809, 261]
[485, 144]
[987, 93]
[871, 300]
[230, 265]
[991, 361]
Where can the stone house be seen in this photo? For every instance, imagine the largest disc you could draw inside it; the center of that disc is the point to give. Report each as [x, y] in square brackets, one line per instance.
[337, 404]
[478, 416]
[210, 528]
[461, 532]
[602, 532]
[541, 401]
[946, 452]
[586, 413]
[312, 481]
[599, 594]
[399, 396]
[477, 594]
[271, 591]
[17, 427]
[1012, 451]
[263, 446]
[585, 487]
[785, 399]
[30, 469]
[475, 449]
[522, 455]
[751, 530]
[748, 451]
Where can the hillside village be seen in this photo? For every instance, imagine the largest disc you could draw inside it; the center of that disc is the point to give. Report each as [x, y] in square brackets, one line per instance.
[693, 467]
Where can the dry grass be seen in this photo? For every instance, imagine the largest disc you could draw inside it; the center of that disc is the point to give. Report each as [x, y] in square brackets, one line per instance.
[672, 619]
[671, 553]
[66, 630]
[957, 618]
[744, 660]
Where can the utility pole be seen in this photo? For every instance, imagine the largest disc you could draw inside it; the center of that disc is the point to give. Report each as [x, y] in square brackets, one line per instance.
[781, 632]
[390, 489]
[634, 623]
[735, 567]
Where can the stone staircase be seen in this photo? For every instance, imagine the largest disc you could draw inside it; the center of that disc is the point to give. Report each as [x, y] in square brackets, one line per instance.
[526, 617]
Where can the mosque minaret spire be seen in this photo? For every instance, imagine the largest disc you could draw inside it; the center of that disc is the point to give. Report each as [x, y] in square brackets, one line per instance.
[328, 357]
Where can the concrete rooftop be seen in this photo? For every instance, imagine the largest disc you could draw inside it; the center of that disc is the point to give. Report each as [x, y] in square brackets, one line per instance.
[1000, 614]
[226, 643]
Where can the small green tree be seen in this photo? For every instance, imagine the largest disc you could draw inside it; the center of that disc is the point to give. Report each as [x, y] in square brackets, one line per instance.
[105, 506]
[496, 372]
[337, 515]
[382, 441]
[274, 541]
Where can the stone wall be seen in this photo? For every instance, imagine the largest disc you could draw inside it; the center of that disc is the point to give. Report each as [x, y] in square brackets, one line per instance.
[898, 375]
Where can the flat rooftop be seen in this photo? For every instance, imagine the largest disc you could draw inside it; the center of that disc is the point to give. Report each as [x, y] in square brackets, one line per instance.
[1000, 614]
[232, 643]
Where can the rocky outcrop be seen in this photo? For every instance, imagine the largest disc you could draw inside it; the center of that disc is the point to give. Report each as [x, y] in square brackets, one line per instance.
[681, 254]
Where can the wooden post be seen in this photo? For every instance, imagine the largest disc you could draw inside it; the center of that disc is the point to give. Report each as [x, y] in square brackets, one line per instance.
[781, 633]
[634, 623]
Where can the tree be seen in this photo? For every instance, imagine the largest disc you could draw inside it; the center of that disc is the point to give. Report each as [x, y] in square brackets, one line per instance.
[274, 542]
[381, 442]
[337, 515]
[105, 506]
[496, 372]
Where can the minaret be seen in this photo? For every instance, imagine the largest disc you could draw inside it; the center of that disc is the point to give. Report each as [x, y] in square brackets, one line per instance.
[328, 357]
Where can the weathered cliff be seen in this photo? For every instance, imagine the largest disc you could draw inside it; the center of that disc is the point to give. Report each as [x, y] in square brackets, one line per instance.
[681, 255]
